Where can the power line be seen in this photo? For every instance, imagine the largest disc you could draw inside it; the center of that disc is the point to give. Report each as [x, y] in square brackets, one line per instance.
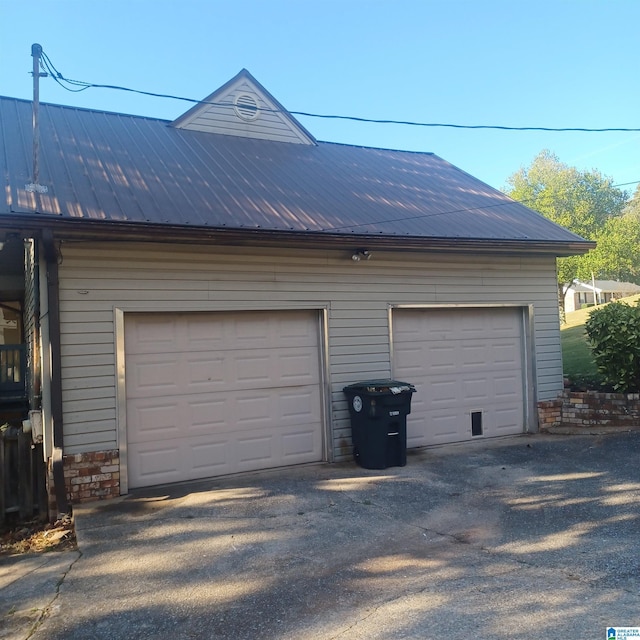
[450, 211]
[79, 85]
[465, 126]
[47, 66]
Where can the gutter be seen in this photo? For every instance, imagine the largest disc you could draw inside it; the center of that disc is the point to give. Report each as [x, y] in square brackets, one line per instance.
[53, 294]
[100, 230]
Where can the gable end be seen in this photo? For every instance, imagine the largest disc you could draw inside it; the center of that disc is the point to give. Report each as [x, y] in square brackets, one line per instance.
[244, 108]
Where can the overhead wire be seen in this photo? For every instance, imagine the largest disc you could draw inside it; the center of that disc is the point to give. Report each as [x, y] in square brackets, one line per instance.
[450, 211]
[80, 85]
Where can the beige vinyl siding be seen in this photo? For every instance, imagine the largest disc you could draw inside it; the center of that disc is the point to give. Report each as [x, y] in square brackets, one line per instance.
[96, 279]
[223, 120]
[269, 125]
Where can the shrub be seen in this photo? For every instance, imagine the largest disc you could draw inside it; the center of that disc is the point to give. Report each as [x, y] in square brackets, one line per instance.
[614, 334]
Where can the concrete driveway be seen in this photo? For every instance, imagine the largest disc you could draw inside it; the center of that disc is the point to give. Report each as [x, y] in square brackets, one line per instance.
[529, 537]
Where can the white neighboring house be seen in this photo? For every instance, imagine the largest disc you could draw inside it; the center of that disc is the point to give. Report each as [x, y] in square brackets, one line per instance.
[585, 294]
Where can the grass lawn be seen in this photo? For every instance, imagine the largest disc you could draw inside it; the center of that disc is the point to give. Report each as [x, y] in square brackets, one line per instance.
[577, 361]
[579, 366]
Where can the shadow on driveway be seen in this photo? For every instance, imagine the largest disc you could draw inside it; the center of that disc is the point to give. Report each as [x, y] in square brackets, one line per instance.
[529, 537]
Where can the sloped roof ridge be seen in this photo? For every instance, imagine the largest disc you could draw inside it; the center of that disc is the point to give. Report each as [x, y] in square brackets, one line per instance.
[171, 121]
[87, 109]
[364, 146]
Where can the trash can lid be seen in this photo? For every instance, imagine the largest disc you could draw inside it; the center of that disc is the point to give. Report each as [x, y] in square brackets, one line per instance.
[380, 386]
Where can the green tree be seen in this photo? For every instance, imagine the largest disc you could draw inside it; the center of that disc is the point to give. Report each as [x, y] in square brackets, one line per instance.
[617, 255]
[587, 203]
[633, 206]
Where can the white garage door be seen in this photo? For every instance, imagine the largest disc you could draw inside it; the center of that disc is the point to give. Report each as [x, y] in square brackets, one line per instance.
[217, 393]
[467, 367]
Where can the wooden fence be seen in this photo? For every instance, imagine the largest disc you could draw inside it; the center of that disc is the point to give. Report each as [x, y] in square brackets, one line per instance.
[22, 475]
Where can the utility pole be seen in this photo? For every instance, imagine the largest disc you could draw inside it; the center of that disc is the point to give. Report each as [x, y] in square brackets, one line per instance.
[34, 186]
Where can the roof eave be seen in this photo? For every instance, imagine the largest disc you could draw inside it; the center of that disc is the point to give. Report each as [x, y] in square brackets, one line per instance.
[82, 229]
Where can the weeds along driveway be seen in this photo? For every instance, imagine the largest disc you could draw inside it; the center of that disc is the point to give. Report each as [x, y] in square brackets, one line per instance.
[528, 537]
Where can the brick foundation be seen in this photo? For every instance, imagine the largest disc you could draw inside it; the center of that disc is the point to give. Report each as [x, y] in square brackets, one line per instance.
[87, 477]
[92, 476]
[549, 414]
[590, 409]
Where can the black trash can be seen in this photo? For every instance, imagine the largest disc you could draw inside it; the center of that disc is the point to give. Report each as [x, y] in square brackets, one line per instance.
[378, 410]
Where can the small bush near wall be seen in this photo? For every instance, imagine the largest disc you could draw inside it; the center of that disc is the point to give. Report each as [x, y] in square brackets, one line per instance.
[614, 333]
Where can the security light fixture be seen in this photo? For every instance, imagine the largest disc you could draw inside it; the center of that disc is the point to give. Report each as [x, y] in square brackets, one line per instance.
[361, 254]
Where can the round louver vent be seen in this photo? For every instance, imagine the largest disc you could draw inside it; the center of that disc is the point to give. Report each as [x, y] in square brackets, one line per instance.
[247, 107]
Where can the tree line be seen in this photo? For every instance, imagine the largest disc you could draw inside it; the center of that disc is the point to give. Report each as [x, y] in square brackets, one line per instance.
[590, 205]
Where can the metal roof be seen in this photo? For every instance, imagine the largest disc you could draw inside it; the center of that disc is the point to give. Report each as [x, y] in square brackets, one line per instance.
[107, 168]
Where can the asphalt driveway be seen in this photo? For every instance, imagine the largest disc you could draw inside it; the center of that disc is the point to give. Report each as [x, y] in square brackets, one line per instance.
[529, 537]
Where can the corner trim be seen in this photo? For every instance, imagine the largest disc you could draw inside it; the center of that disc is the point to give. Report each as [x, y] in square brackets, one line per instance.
[121, 398]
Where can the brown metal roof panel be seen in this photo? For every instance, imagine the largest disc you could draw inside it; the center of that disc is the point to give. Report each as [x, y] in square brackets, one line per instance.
[17, 155]
[75, 167]
[115, 167]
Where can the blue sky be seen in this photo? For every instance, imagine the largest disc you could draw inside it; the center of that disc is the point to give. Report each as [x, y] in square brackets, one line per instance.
[516, 63]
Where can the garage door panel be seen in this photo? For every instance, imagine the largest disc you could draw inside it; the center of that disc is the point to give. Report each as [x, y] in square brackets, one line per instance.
[412, 358]
[286, 408]
[266, 330]
[443, 392]
[276, 368]
[194, 332]
[256, 450]
[443, 427]
[442, 357]
[507, 388]
[299, 443]
[208, 458]
[252, 411]
[153, 420]
[222, 453]
[471, 354]
[299, 367]
[504, 354]
[158, 335]
[461, 361]
[502, 325]
[300, 404]
[504, 418]
[476, 390]
[156, 464]
[190, 415]
[212, 394]
[155, 375]
[203, 413]
[202, 372]
[251, 370]
[204, 456]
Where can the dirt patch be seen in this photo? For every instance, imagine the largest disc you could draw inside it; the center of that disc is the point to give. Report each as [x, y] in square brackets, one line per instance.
[35, 536]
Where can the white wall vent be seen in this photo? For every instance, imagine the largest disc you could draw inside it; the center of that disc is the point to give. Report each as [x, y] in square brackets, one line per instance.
[246, 107]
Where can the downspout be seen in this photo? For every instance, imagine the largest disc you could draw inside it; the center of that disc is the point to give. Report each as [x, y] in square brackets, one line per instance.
[53, 294]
